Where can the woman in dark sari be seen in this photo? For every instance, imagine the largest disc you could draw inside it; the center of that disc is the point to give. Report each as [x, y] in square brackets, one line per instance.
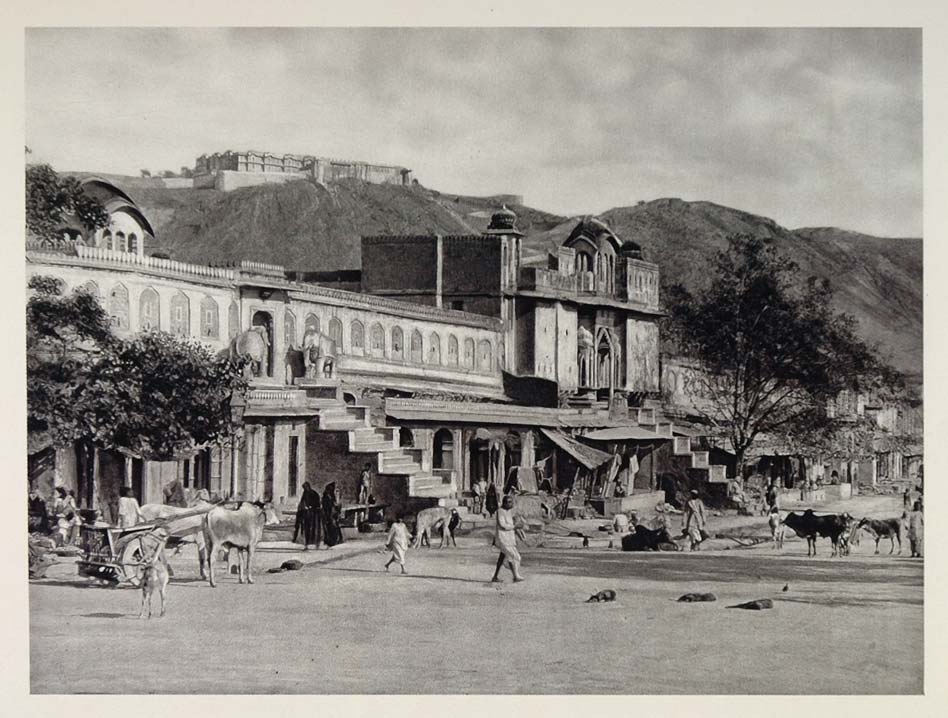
[332, 532]
[491, 502]
[308, 517]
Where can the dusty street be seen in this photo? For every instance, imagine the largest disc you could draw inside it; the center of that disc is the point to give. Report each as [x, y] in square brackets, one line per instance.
[342, 625]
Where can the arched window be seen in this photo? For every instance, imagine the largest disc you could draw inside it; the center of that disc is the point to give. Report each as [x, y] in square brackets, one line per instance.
[357, 336]
[434, 349]
[501, 356]
[469, 353]
[452, 350]
[377, 339]
[289, 329]
[120, 245]
[398, 344]
[311, 323]
[443, 449]
[233, 320]
[416, 354]
[106, 239]
[133, 243]
[180, 315]
[118, 307]
[335, 332]
[89, 287]
[485, 356]
[210, 319]
[148, 310]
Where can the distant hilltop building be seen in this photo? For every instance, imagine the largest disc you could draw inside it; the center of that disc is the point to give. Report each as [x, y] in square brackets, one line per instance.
[230, 170]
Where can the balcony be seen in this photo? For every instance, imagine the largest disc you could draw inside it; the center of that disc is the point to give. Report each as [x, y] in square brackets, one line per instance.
[539, 279]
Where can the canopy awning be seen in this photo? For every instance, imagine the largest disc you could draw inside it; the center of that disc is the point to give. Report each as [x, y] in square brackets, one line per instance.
[586, 455]
[625, 433]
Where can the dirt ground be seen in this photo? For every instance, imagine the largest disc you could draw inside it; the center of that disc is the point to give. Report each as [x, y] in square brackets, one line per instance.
[342, 625]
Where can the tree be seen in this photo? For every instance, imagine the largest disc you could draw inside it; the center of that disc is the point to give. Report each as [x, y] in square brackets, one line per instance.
[187, 172]
[51, 200]
[772, 353]
[168, 173]
[145, 173]
[154, 394]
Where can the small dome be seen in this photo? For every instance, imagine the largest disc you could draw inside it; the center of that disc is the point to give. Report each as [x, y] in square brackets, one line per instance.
[631, 249]
[503, 219]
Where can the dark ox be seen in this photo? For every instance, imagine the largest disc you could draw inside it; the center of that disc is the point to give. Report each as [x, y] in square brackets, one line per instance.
[645, 539]
[810, 526]
[883, 528]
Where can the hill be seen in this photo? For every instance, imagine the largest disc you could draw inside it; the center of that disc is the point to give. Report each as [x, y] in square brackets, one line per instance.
[877, 280]
[306, 226]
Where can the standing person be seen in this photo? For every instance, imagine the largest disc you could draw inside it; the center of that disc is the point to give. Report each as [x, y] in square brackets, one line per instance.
[509, 527]
[365, 483]
[129, 512]
[450, 527]
[67, 515]
[478, 497]
[174, 494]
[772, 497]
[907, 498]
[491, 501]
[482, 490]
[36, 512]
[397, 543]
[916, 527]
[307, 517]
[695, 520]
[332, 532]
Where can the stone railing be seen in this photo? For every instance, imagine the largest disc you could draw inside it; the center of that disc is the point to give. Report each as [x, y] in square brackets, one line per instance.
[251, 267]
[537, 278]
[371, 302]
[113, 257]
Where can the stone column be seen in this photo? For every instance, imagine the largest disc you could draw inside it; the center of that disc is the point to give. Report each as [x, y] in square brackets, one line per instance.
[281, 470]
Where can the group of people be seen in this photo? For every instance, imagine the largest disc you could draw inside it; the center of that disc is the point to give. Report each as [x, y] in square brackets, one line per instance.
[60, 517]
[485, 498]
[317, 519]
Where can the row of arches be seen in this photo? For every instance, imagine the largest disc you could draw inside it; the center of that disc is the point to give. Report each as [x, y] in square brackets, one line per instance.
[120, 242]
[149, 311]
[392, 345]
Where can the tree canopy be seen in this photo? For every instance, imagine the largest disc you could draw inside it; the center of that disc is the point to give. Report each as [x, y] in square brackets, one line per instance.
[51, 200]
[772, 352]
[153, 394]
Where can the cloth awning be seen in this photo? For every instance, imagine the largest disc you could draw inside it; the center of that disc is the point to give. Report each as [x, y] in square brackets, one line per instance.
[625, 433]
[586, 455]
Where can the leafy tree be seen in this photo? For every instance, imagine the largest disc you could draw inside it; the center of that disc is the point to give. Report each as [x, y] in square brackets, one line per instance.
[145, 173]
[51, 200]
[153, 394]
[187, 172]
[168, 173]
[771, 350]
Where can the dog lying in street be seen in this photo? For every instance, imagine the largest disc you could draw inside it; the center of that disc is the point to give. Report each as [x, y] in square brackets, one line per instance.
[155, 579]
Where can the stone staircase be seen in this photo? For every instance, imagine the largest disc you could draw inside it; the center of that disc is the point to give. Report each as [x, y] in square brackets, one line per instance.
[695, 459]
[381, 442]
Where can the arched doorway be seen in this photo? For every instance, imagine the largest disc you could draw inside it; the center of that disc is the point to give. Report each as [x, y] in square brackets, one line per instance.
[443, 450]
[265, 320]
[405, 437]
[605, 362]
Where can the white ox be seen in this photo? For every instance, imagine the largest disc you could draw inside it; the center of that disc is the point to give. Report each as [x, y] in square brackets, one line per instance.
[239, 528]
[188, 529]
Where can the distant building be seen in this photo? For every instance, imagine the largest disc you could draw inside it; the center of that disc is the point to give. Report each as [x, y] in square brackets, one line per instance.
[229, 170]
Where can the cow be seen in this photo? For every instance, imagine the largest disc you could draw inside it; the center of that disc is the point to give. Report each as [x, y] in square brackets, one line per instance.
[883, 528]
[810, 526]
[240, 528]
[427, 521]
[776, 528]
[646, 539]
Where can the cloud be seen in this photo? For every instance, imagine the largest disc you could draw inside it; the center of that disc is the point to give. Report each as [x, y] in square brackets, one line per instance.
[577, 120]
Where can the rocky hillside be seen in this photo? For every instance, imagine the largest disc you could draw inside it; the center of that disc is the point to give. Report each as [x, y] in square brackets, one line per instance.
[877, 280]
[306, 226]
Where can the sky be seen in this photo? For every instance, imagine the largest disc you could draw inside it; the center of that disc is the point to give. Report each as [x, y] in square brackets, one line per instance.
[810, 127]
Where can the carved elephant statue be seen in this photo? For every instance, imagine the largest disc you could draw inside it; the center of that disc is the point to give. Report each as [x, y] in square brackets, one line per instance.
[253, 344]
[319, 356]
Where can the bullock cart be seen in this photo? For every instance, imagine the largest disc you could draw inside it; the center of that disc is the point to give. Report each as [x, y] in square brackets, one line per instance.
[115, 556]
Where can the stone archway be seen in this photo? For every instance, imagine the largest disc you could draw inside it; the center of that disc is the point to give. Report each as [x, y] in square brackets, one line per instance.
[265, 320]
